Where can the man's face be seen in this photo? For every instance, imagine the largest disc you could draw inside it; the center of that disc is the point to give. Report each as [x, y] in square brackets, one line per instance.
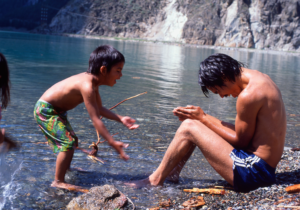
[230, 89]
[114, 74]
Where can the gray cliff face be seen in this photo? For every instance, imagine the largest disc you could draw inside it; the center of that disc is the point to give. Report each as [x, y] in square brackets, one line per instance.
[260, 24]
[113, 18]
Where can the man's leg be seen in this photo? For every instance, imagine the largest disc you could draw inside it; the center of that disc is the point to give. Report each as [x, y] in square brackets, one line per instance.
[174, 174]
[192, 132]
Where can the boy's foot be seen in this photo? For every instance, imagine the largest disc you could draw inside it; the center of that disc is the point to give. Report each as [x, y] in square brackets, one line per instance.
[71, 187]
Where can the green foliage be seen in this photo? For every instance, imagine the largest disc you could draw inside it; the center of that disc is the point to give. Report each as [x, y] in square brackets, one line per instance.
[16, 13]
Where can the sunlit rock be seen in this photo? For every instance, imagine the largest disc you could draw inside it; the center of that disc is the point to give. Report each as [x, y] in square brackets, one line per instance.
[101, 197]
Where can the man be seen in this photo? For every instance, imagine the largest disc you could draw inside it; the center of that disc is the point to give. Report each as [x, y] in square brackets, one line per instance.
[245, 154]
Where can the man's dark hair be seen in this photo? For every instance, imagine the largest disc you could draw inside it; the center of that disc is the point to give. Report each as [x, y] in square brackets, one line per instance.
[216, 69]
[104, 55]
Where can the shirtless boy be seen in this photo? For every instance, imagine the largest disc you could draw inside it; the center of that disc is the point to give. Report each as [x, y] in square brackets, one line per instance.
[244, 154]
[50, 112]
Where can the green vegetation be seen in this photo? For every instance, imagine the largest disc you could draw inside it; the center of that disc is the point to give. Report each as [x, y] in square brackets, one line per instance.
[15, 13]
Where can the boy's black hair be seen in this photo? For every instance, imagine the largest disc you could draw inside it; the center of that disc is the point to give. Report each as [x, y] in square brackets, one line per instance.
[216, 69]
[104, 55]
[4, 81]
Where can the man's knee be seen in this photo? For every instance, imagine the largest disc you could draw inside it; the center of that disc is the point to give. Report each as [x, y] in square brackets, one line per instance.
[188, 126]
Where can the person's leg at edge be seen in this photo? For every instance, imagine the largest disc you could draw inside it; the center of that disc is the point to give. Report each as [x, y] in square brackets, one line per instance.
[192, 132]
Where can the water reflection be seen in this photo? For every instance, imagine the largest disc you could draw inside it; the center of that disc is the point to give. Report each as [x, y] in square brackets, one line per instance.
[169, 74]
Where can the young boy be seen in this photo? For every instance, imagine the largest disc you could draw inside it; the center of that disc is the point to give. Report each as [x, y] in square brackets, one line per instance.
[50, 112]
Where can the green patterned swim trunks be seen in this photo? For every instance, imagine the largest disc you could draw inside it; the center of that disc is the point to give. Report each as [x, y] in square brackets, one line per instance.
[55, 126]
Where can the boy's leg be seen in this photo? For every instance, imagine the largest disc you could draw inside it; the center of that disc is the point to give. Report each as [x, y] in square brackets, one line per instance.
[63, 162]
[192, 132]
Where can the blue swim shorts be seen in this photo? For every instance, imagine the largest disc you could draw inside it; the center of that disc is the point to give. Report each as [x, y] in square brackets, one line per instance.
[250, 172]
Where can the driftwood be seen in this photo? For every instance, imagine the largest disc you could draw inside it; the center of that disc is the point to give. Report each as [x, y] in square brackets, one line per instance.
[210, 191]
[78, 189]
[293, 189]
[290, 207]
[194, 202]
[93, 153]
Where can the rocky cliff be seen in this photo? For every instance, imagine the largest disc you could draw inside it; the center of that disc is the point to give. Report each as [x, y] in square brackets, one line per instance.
[261, 24]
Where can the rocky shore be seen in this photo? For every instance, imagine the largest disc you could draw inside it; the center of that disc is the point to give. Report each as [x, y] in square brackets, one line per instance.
[273, 197]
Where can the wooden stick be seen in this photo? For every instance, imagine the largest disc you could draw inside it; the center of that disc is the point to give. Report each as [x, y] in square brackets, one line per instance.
[99, 138]
[116, 106]
[124, 101]
[293, 189]
[210, 191]
[95, 158]
[291, 207]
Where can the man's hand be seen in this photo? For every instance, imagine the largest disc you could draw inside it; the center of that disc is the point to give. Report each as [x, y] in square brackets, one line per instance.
[129, 123]
[118, 146]
[189, 112]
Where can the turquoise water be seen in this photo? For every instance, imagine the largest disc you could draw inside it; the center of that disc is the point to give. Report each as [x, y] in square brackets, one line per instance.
[167, 72]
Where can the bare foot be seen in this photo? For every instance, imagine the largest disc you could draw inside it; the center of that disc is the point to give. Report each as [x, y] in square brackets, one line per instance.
[64, 185]
[174, 175]
[173, 178]
[141, 183]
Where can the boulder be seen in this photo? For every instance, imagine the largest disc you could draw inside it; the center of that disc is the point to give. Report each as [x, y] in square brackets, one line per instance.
[99, 198]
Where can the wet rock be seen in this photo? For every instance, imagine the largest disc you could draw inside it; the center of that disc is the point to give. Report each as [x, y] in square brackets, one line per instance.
[101, 197]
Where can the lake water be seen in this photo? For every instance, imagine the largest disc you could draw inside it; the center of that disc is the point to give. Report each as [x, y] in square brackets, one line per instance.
[167, 72]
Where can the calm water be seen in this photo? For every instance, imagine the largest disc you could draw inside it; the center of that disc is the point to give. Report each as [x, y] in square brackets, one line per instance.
[167, 72]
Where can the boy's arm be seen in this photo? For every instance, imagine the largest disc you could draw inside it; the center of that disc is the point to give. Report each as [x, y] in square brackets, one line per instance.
[90, 101]
[127, 121]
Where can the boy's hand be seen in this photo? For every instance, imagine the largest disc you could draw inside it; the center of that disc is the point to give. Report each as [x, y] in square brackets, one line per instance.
[117, 145]
[129, 123]
[189, 112]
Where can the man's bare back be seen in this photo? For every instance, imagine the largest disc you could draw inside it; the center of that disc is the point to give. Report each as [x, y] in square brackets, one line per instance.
[268, 139]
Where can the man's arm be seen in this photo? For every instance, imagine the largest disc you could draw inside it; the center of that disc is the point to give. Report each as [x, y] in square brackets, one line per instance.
[238, 135]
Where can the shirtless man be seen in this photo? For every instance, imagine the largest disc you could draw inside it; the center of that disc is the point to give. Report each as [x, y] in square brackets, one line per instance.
[50, 112]
[245, 154]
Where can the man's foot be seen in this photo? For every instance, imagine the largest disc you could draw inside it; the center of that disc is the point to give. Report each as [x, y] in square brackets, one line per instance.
[141, 183]
[173, 178]
[64, 185]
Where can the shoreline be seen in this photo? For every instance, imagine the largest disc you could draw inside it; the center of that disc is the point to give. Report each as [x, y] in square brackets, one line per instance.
[295, 53]
[182, 44]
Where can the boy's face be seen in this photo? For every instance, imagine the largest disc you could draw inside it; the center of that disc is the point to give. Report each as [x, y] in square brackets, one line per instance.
[114, 74]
